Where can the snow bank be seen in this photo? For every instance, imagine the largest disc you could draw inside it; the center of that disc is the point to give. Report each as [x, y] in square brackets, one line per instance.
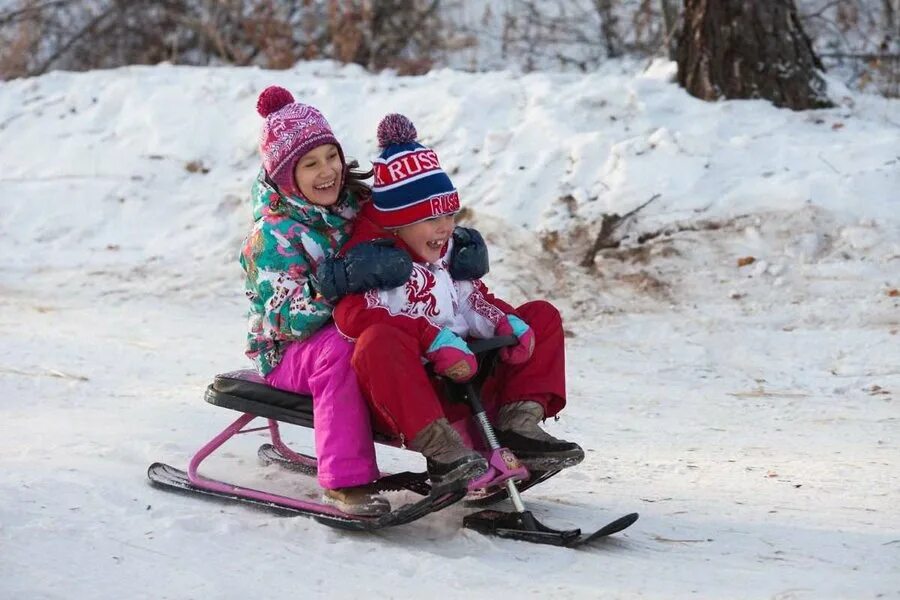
[732, 364]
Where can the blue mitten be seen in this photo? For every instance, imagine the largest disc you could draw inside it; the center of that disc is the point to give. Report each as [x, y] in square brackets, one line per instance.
[469, 256]
[370, 265]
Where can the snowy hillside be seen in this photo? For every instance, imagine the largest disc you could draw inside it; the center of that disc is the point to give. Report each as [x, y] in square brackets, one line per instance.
[733, 365]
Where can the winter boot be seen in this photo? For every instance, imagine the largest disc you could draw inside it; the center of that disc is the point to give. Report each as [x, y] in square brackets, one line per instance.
[450, 462]
[359, 501]
[518, 430]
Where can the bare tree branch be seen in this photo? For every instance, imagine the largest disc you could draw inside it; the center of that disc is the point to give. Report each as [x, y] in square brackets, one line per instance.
[92, 24]
[30, 10]
[608, 225]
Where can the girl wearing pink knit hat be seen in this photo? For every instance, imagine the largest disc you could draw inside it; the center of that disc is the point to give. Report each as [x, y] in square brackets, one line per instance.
[305, 201]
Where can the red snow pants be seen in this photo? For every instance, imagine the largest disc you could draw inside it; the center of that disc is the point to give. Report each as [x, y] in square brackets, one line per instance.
[403, 399]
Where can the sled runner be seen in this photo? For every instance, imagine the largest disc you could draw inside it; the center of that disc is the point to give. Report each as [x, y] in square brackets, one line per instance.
[247, 392]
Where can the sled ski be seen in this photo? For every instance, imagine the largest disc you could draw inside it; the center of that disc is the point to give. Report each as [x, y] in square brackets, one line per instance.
[522, 524]
[164, 475]
[192, 482]
[247, 393]
[525, 527]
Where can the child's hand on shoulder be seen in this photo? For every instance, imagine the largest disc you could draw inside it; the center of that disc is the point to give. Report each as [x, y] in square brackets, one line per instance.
[370, 265]
[469, 256]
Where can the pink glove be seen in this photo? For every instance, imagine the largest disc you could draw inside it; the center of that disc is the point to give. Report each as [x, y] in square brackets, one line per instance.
[450, 356]
[513, 325]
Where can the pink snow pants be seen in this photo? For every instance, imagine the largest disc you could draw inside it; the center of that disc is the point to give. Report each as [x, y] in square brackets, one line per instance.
[320, 366]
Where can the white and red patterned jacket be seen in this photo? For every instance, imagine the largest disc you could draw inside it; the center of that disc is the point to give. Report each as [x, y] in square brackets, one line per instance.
[429, 301]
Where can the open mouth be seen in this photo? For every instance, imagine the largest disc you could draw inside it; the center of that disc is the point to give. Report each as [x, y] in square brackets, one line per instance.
[436, 244]
[325, 186]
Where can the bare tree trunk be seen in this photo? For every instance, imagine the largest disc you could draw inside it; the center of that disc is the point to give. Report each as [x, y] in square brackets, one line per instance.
[670, 19]
[891, 27]
[738, 49]
[608, 30]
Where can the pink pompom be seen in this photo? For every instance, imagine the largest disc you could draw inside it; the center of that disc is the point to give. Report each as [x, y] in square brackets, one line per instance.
[396, 129]
[273, 98]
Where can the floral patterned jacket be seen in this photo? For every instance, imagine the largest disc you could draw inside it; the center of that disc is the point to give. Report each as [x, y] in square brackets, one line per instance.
[290, 237]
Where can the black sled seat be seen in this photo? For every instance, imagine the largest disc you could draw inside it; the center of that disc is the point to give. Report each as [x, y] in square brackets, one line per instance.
[245, 391]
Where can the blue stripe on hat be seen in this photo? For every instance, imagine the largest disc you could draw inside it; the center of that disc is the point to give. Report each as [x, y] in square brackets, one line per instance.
[412, 192]
[390, 151]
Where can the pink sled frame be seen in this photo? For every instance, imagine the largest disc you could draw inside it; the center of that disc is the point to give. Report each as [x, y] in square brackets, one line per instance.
[502, 466]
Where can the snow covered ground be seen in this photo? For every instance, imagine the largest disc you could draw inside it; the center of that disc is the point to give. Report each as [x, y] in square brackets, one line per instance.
[749, 413]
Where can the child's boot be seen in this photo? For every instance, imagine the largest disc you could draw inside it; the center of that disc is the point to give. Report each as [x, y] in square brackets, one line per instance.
[518, 429]
[449, 460]
[360, 501]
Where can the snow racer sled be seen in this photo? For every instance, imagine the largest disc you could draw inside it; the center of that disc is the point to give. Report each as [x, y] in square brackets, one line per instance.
[247, 393]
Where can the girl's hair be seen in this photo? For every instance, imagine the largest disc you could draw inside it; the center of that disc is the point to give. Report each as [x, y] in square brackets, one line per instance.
[356, 179]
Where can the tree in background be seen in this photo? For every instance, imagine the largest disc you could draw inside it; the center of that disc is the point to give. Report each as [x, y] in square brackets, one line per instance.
[404, 35]
[858, 40]
[738, 49]
[40, 35]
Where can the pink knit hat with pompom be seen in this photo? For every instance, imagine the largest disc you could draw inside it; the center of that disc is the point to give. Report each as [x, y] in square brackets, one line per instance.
[291, 130]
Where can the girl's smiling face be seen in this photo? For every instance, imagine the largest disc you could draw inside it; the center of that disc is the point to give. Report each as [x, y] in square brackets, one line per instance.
[318, 174]
[428, 238]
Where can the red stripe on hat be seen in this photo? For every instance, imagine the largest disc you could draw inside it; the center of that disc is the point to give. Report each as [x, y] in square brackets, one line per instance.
[443, 204]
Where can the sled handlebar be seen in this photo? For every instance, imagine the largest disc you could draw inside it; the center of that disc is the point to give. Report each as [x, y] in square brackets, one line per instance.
[486, 345]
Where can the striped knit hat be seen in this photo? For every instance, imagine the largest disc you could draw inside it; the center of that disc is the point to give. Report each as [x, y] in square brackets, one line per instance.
[291, 130]
[410, 185]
